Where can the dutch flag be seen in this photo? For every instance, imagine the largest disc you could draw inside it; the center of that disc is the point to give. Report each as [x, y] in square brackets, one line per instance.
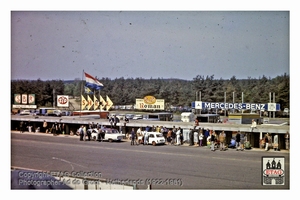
[92, 82]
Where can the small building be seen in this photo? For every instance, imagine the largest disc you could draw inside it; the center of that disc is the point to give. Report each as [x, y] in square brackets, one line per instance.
[187, 117]
[244, 118]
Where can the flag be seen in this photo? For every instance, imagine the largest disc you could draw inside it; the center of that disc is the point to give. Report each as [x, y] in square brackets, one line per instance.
[109, 103]
[90, 103]
[83, 102]
[92, 82]
[87, 90]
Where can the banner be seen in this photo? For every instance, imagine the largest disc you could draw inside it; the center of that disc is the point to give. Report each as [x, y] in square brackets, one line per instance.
[96, 103]
[90, 103]
[109, 103]
[31, 99]
[24, 98]
[150, 103]
[239, 106]
[17, 99]
[102, 103]
[84, 102]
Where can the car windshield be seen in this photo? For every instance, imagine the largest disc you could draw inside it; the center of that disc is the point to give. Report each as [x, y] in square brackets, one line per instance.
[112, 131]
[159, 135]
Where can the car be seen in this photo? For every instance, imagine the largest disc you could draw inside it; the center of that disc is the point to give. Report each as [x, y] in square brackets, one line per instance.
[129, 116]
[154, 138]
[286, 112]
[110, 135]
[25, 112]
[138, 117]
[55, 113]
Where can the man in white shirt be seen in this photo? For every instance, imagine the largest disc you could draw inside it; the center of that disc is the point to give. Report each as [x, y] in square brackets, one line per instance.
[253, 125]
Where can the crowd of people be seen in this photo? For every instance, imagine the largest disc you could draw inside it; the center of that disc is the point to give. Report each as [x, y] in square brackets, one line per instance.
[196, 136]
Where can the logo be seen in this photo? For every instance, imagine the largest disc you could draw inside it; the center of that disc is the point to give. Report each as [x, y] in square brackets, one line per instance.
[149, 99]
[273, 171]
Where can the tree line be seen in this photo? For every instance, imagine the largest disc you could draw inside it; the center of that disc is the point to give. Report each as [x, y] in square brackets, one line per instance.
[175, 92]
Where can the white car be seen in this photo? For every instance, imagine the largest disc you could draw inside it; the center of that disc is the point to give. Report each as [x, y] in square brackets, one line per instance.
[109, 135]
[138, 117]
[154, 138]
[25, 112]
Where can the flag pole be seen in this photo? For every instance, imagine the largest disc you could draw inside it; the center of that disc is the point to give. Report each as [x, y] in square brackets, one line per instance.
[81, 93]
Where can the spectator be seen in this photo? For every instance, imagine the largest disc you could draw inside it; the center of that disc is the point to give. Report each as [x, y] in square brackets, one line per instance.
[238, 140]
[178, 136]
[242, 141]
[266, 139]
[45, 126]
[169, 136]
[132, 136]
[21, 127]
[253, 125]
[201, 138]
[222, 139]
[212, 141]
[196, 137]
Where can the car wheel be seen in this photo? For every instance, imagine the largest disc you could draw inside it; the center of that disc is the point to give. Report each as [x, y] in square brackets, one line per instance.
[94, 138]
[110, 140]
[153, 143]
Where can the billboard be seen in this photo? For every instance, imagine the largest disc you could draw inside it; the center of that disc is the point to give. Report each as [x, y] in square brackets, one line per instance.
[222, 105]
[150, 103]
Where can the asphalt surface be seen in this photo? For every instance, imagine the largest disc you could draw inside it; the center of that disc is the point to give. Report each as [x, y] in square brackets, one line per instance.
[166, 166]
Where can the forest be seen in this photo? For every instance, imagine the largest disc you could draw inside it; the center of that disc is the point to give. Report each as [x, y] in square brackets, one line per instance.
[175, 92]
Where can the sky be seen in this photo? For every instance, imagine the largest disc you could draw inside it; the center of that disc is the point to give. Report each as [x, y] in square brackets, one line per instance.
[181, 44]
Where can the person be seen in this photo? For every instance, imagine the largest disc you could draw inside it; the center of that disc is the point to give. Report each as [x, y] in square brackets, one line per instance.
[116, 120]
[178, 136]
[253, 125]
[139, 131]
[222, 139]
[275, 146]
[196, 137]
[89, 134]
[132, 136]
[29, 126]
[21, 127]
[191, 137]
[169, 136]
[80, 130]
[238, 140]
[145, 137]
[173, 135]
[212, 141]
[201, 138]
[45, 126]
[266, 139]
[206, 135]
[84, 132]
[55, 129]
[196, 122]
[63, 128]
[111, 121]
[126, 120]
[242, 141]
[181, 137]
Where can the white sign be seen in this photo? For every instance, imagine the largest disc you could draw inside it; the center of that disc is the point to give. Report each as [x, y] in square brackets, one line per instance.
[62, 101]
[158, 105]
